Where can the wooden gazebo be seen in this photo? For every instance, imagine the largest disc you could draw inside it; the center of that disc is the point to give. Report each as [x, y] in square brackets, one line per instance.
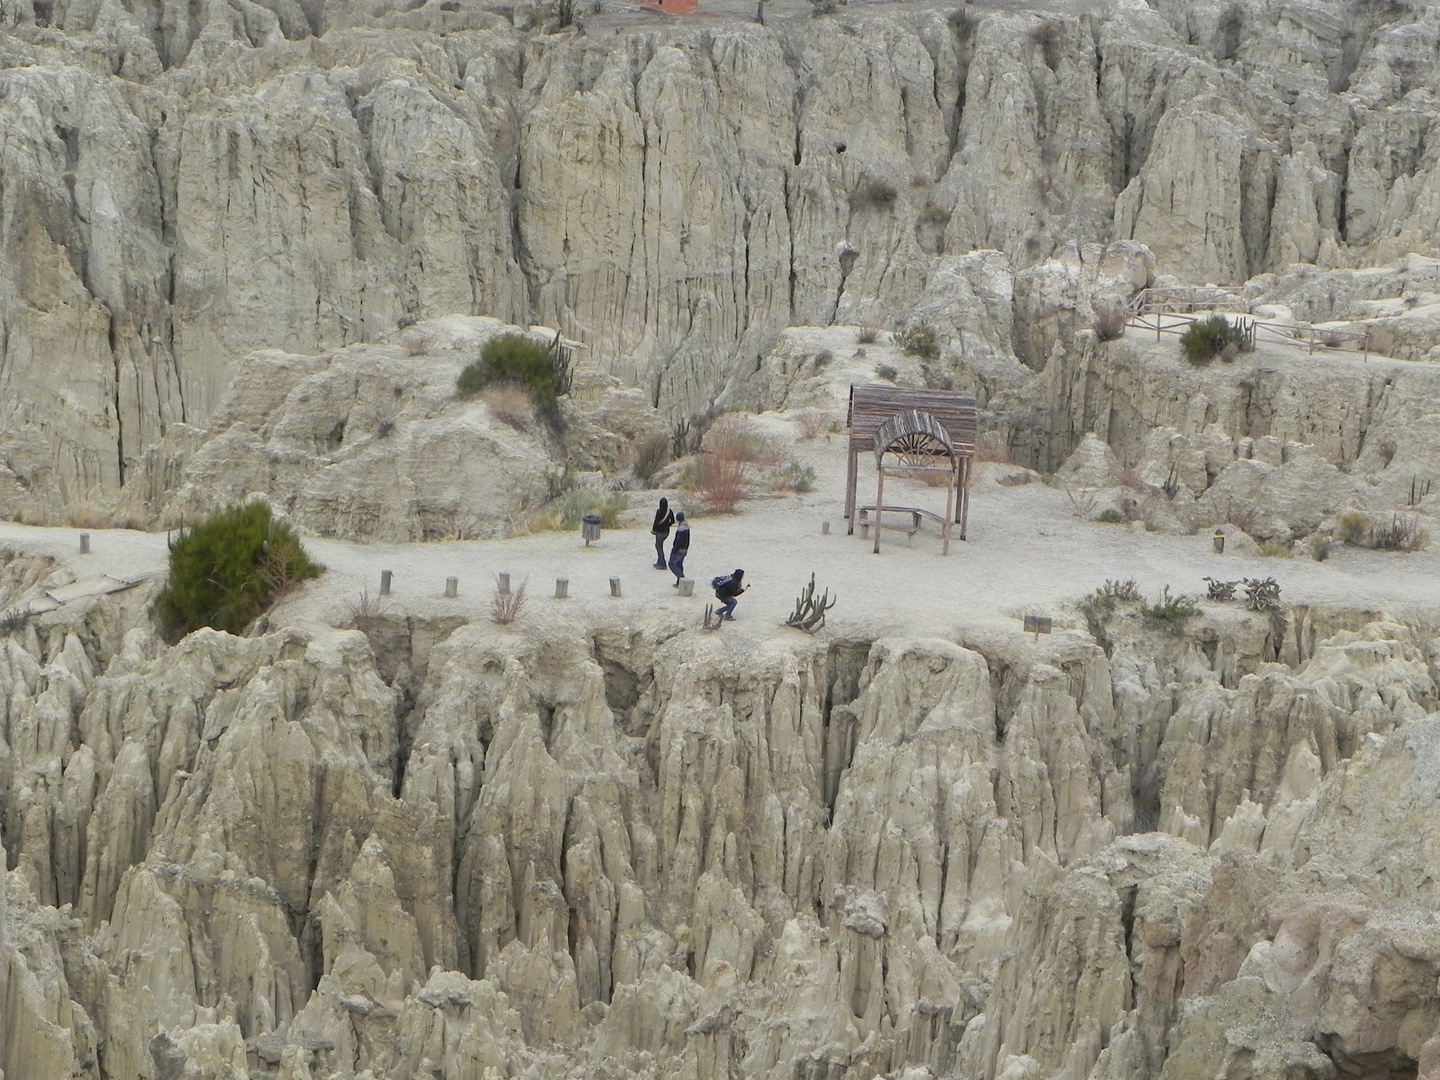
[954, 414]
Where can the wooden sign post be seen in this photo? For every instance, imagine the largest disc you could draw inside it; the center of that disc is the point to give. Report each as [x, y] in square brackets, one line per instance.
[1037, 625]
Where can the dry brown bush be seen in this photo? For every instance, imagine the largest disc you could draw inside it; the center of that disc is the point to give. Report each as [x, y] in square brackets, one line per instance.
[85, 515]
[650, 455]
[417, 343]
[867, 335]
[506, 607]
[511, 403]
[736, 438]
[1109, 324]
[813, 423]
[722, 483]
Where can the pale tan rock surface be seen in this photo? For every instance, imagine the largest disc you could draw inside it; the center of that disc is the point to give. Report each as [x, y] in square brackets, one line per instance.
[373, 442]
[183, 187]
[604, 840]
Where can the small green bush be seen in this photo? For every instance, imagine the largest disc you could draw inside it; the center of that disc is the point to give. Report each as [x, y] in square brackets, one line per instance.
[1112, 517]
[886, 372]
[226, 571]
[918, 340]
[569, 508]
[795, 477]
[1206, 339]
[1275, 549]
[1354, 527]
[1104, 600]
[518, 359]
[1170, 611]
[651, 454]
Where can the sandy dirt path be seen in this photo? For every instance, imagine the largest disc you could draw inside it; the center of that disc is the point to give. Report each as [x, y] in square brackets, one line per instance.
[1026, 552]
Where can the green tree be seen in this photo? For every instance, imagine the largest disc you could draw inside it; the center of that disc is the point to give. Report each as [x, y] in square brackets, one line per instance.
[226, 571]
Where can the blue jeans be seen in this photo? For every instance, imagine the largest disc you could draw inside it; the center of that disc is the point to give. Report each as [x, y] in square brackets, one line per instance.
[727, 609]
[677, 563]
[659, 551]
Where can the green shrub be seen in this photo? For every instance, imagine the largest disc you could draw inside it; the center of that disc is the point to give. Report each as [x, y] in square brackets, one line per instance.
[795, 477]
[918, 340]
[1170, 611]
[518, 359]
[1206, 339]
[569, 508]
[226, 571]
[886, 372]
[651, 454]
[1354, 527]
[1275, 549]
[1104, 600]
[1112, 517]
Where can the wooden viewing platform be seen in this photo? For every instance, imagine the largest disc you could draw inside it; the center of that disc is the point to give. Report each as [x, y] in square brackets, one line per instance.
[872, 406]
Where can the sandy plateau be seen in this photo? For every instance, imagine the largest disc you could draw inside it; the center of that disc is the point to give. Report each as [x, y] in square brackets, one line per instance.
[247, 247]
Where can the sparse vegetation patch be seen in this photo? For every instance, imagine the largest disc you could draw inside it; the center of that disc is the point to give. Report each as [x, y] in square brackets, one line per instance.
[226, 571]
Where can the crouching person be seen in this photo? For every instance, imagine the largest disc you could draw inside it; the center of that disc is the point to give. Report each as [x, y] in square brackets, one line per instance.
[728, 589]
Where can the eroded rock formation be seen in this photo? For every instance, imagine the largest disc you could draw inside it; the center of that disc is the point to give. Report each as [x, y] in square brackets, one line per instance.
[318, 853]
[182, 186]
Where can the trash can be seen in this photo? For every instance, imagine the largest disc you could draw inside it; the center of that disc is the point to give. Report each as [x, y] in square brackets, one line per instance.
[590, 528]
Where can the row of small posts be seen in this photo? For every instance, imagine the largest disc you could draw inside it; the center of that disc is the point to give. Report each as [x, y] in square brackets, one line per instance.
[452, 584]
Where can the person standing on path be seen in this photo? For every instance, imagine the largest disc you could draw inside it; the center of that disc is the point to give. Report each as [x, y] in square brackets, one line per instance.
[680, 548]
[661, 531]
[728, 590]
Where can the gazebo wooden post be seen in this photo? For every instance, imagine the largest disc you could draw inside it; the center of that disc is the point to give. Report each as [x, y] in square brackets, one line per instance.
[950, 485]
[851, 482]
[962, 505]
[879, 508]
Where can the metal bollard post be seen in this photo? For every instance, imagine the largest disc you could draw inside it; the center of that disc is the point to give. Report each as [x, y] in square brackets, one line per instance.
[503, 585]
[614, 586]
[1219, 541]
[562, 588]
[452, 586]
[84, 543]
[385, 582]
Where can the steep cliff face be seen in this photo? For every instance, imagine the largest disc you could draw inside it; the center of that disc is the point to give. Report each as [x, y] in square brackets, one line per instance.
[317, 853]
[182, 185]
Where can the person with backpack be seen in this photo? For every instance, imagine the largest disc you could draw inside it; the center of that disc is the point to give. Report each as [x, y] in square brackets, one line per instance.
[728, 588]
[680, 548]
[661, 531]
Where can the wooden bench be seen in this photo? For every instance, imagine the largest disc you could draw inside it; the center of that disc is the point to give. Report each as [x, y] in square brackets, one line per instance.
[915, 512]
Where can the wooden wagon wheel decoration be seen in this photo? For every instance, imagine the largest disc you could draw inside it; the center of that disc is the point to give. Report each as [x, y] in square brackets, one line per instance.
[916, 438]
[919, 441]
[918, 449]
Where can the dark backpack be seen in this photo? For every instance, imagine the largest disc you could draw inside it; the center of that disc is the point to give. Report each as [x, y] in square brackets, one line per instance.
[720, 582]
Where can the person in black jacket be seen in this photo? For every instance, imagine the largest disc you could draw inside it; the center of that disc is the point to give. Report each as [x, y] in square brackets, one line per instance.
[661, 531]
[729, 591]
[680, 548]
